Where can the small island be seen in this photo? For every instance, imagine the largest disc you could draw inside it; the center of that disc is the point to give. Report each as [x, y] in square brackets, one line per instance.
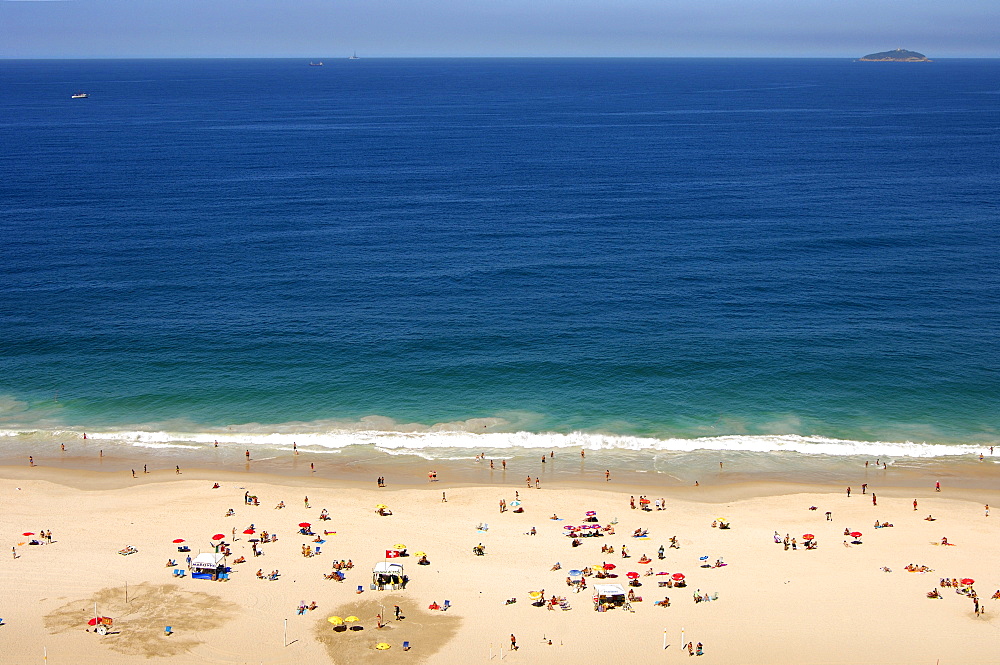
[898, 55]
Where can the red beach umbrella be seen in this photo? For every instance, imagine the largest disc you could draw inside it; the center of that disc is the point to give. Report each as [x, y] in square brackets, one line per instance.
[178, 540]
[609, 566]
[248, 531]
[855, 534]
[28, 533]
[808, 536]
[218, 536]
[305, 525]
[678, 576]
[644, 501]
[967, 580]
[632, 576]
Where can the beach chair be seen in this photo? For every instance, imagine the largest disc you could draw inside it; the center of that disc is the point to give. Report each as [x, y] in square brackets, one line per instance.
[223, 577]
[406, 646]
[361, 588]
[447, 604]
[317, 549]
[167, 630]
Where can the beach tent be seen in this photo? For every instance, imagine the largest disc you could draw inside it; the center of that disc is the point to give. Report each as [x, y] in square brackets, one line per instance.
[387, 574]
[208, 566]
[609, 594]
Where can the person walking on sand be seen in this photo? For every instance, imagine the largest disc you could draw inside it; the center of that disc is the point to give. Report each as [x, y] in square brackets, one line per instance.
[444, 498]
[874, 499]
[248, 455]
[848, 492]
[914, 504]
[306, 501]
[937, 486]
[607, 475]
[513, 642]
[177, 469]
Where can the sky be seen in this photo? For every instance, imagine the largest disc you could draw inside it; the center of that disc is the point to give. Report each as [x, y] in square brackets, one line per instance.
[495, 28]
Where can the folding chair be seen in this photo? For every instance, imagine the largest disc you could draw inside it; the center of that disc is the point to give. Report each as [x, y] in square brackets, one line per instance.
[406, 646]
[447, 604]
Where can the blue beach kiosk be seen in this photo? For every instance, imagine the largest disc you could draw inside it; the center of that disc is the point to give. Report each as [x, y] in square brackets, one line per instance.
[209, 566]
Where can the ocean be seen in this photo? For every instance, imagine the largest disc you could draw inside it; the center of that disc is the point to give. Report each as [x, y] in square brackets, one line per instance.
[648, 258]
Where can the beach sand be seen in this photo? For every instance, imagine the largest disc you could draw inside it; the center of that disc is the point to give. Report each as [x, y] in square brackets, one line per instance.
[832, 604]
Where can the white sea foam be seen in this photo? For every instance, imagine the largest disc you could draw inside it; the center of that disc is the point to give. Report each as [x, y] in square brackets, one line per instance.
[432, 442]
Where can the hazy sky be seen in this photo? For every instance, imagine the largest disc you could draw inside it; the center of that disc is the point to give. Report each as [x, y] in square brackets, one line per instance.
[390, 28]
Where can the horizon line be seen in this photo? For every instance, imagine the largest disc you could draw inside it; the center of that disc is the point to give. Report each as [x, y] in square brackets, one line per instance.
[482, 57]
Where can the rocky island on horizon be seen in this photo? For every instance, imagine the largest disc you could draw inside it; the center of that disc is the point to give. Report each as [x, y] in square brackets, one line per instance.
[897, 55]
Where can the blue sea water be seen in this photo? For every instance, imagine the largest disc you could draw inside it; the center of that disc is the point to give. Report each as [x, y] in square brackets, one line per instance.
[661, 253]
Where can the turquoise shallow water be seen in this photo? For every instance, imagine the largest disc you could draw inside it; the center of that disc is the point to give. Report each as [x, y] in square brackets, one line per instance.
[753, 255]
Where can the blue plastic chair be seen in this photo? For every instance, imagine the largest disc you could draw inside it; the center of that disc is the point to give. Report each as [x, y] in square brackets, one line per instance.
[317, 549]
[168, 630]
[406, 646]
[447, 604]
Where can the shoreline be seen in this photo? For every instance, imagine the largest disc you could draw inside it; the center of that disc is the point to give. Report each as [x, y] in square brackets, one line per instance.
[960, 478]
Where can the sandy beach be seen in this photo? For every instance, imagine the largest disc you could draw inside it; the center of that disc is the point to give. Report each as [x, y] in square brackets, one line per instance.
[768, 604]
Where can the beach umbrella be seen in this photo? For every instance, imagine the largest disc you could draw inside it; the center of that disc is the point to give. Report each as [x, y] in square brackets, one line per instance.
[808, 536]
[568, 528]
[400, 546]
[609, 566]
[381, 506]
[336, 621]
[535, 594]
[382, 646]
[351, 619]
[515, 503]
[705, 558]
[254, 540]
[643, 501]
[178, 540]
[28, 533]
[248, 531]
[855, 534]
[678, 576]
[591, 513]
[218, 536]
[967, 580]
[576, 572]
[632, 576]
[420, 553]
[305, 525]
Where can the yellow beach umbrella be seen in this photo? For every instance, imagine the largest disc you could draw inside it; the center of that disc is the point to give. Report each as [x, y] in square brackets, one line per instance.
[336, 621]
[420, 553]
[400, 546]
[381, 505]
[382, 646]
[351, 619]
[535, 594]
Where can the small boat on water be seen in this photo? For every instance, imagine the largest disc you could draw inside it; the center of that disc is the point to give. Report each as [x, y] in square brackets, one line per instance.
[354, 57]
[80, 95]
[316, 64]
